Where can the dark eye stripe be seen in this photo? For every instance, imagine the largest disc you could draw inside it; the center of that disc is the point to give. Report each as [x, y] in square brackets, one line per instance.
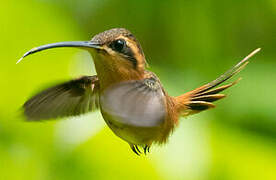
[128, 53]
[120, 46]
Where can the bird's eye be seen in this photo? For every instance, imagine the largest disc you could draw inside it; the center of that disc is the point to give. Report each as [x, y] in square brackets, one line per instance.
[118, 45]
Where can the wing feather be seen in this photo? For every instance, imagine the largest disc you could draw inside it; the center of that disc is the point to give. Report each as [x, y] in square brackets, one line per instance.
[71, 98]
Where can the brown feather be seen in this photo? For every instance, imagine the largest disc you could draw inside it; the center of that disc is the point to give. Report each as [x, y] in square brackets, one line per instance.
[71, 98]
[208, 98]
[201, 98]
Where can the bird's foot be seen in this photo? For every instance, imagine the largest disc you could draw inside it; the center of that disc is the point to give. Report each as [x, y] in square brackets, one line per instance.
[146, 149]
[136, 150]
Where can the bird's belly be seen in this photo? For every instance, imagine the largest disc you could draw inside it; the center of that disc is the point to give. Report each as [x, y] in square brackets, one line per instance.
[132, 134]
[132, 113]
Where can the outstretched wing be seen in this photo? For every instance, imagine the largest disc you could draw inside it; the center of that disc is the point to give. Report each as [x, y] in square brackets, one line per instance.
[71, 98]
[202, 98]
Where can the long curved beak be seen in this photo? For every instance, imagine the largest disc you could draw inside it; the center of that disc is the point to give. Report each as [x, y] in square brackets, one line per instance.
[78, 44]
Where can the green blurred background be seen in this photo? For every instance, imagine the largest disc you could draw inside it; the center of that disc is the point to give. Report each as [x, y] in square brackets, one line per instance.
[187, 43]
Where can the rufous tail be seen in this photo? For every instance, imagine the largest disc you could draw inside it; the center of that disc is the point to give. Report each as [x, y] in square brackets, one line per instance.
[202, 98]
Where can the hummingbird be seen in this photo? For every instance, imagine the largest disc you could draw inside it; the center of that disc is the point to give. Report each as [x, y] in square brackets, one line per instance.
[132, 100]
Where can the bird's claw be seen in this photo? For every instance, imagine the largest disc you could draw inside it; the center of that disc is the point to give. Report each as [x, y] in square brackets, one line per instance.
[146, 149]
[136, 150]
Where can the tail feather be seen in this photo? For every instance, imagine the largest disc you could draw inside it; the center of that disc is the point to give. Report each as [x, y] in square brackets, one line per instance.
[208, 98]
[201, 98]
[219, 89]
[200, 105]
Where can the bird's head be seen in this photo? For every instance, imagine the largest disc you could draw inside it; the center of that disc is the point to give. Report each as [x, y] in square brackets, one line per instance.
[119, 47]
[117, 54]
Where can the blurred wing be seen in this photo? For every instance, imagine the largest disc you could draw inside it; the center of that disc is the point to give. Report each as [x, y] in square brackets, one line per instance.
[71, 98]
[135, 103]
